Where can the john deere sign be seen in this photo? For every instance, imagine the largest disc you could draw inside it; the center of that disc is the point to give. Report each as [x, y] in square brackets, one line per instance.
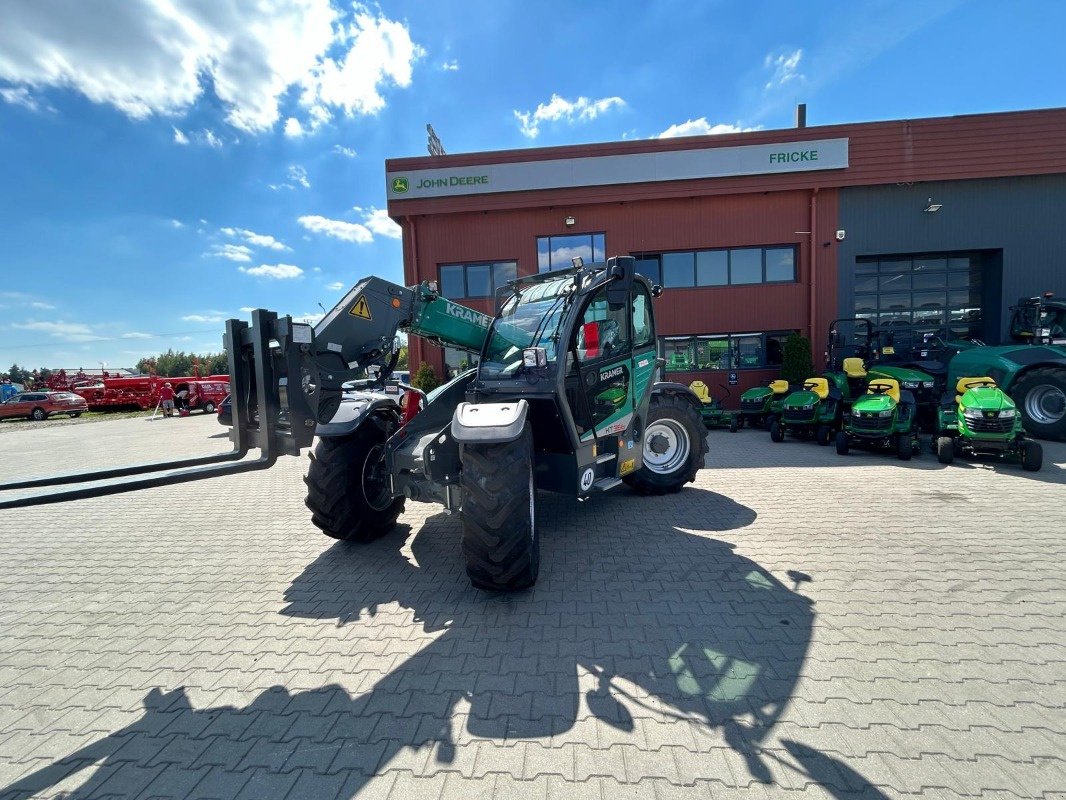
[674, 165]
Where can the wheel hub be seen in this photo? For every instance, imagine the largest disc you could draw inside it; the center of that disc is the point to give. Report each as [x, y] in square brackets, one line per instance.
[1045, 404]
[666, 446]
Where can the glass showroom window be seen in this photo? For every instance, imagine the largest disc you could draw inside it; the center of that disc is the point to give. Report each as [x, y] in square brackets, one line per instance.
[722, 352]
[458, 281]
[558, 252]
[738, 266]
[679, 353]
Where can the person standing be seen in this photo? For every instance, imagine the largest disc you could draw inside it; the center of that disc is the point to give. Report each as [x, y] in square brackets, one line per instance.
[166, 397]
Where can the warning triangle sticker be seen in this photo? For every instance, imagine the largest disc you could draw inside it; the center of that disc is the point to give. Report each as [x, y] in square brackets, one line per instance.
[361, 309]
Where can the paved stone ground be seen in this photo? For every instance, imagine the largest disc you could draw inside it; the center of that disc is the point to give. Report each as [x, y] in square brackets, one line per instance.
[794, 625]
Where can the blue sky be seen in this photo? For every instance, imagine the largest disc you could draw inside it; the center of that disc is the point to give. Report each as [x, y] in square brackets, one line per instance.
[166, 166]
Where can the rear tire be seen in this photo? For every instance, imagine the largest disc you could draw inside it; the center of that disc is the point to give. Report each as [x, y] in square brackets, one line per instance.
[945, 449]
[843, 445]
[500, 541]
[904, 448]
[209, 408]
[733, 426]
[1041, 398]
[38, 414]
[344, 492]
[675, 421]
[75, 414]
[1032, 457]
[776, 433]
[822, 435]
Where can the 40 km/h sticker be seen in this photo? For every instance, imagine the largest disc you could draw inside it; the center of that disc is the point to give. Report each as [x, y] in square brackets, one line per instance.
[361, 309]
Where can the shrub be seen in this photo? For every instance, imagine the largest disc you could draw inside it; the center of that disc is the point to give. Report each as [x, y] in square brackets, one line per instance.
[425, 378]
[797, 364]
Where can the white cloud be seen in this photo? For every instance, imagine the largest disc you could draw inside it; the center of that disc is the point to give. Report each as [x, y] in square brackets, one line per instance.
[336, 286]
[234, 252]
[337, 229]
[701, 127]
[205, 137]
[341, 150]
[256, 239]
[210, 316]
[299, 175]
[20, 96]
[71, 331]
[42, 306]
[558, 108]
[311, 318]
[137, 335]
[450, 66]
[784, 68]
[273, 271]
[293, 128]
[251, 53]
[378, 220]
[177, 223]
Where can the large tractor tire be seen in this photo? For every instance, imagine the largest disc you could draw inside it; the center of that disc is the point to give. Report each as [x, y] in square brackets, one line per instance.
[675, 446]
[500, 541]
[1041, 397]
[347, 488]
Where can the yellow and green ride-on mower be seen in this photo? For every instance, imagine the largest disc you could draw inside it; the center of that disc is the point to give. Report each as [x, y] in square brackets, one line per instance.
[714, 416]
[882, 419]
[813, 412]
[982, 420]
[761, 405]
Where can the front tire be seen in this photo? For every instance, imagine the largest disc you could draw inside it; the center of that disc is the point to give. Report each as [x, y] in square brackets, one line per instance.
[1041, 397]
[1032, 457]
[733, 426]
[347, 490]
[38, 414]
[500, 541]
[209, 408]
[822, 435]
[904, 448]
[75, 414]
[843, 445]
[674, 447]
[777, 434]
[945, 449]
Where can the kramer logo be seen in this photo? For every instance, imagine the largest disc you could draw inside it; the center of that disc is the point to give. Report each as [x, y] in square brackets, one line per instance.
[399, 185]
[468, 315]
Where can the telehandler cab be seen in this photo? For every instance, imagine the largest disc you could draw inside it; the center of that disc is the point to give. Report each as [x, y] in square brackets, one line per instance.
[564, 399]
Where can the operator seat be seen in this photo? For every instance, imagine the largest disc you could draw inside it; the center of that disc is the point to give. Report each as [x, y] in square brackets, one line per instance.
[779, 387]
[965, 384]
[820, 386]
[854, 368]
[887, 386]
[699, 388]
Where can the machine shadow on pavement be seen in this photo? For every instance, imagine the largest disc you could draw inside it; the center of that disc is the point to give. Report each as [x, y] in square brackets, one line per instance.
[627, 625]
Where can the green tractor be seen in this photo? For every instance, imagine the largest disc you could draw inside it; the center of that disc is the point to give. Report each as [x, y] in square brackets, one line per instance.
[982, 420]
[813, 412]
[714, 416]
[761, 405]
[564, 399]
[883, 419]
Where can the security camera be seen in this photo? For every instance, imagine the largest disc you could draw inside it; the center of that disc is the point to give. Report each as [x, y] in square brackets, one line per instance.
[840, 235]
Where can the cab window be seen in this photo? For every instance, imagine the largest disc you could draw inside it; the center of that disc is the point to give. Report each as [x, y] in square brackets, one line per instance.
[642, 326]
[603, 332]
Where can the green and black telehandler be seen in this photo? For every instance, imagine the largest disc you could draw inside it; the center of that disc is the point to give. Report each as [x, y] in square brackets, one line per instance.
[564, 399]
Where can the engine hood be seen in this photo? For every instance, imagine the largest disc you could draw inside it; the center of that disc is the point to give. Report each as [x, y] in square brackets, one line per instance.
[801, 398]
[757, 393]
[873, 403]
[986, 398]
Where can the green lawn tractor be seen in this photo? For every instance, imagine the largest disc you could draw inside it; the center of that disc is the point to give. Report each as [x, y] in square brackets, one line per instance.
[761, 405]
[813, 412]
[982, 420]
[714, 416]
[882, 419]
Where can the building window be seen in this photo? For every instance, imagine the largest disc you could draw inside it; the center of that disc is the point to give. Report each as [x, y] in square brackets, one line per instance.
[456, 361]
[458, 281]
[723, 351]
[737, 266]
[906, 297]
[558, 252]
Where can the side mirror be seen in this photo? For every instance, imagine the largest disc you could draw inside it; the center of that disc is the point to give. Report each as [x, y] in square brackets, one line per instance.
[620, 270]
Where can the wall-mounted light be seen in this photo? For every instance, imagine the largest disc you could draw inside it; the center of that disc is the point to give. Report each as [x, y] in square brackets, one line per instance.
[932, 207]
[570, 221]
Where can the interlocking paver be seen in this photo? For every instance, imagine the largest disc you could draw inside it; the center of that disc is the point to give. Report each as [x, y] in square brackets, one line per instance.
[794, 624]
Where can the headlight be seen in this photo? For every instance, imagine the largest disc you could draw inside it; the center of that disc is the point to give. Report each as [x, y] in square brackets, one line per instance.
[884, 414]
[972, 413]
[928, 384]
[910, 384]
[1008, 413]
[856, 413]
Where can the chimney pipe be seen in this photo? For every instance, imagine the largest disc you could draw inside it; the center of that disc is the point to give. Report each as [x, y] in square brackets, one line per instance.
[801, 115]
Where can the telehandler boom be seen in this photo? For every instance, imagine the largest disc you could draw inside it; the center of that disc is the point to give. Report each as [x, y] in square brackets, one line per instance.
[564, 399]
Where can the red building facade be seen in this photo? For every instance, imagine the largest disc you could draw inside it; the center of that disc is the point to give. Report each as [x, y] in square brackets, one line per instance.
[744, 231]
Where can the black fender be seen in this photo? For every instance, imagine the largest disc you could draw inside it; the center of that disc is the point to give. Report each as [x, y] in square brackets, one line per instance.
[676, 390]
[354, 410]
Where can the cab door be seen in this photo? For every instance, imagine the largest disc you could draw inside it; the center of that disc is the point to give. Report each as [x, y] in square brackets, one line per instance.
[602, 404]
